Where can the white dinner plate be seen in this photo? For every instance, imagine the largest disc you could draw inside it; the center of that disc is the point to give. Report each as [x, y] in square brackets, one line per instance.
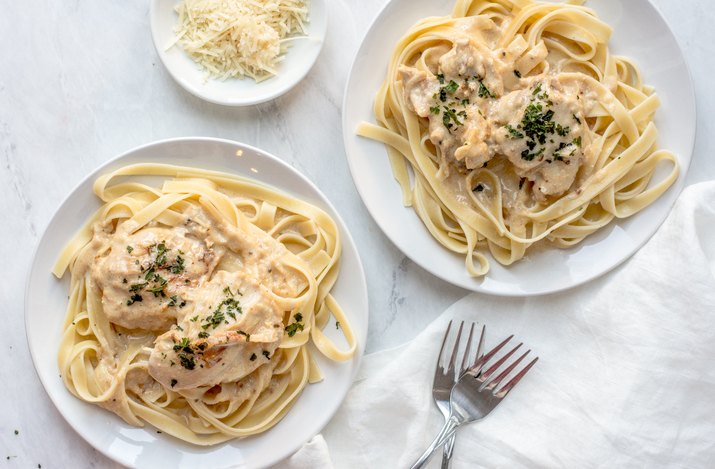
[46, 300]
[297, 62]
[640, 32]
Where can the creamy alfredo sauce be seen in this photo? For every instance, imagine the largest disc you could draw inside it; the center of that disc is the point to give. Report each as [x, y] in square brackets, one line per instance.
[200, 299]
[503, 109]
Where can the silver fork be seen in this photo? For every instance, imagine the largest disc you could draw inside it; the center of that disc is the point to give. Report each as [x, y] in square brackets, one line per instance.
[444, 379]
[475, 395]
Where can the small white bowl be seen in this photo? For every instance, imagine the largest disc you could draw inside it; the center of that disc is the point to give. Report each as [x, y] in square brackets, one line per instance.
[298, 60]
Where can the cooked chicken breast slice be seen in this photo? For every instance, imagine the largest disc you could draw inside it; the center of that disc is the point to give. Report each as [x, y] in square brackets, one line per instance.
[235, 327]
[145, 276]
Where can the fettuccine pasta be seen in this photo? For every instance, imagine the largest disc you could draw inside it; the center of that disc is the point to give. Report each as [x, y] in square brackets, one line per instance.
[509, 123]
[192, 303]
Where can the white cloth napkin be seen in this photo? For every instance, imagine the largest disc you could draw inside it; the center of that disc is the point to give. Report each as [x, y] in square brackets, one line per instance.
[313, 455]
[626, 375]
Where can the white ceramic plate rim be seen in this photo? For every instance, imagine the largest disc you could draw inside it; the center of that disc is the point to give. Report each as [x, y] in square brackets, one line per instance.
[245, 92]
[425, 257]
[278, 452]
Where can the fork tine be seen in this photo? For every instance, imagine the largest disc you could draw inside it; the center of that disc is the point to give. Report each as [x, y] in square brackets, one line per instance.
[455, 350]
[485, 358]
[440, 360]
[480, 345]
[487, 374]
[493, 383]
[510, 385]
[463, 368]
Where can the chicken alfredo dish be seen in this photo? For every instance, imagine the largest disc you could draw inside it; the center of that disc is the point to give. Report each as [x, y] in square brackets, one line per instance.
[510, 124]
[191, 305]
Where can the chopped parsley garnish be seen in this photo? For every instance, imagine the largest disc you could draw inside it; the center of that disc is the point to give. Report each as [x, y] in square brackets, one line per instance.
[245, 334]
[484, 91]
[160, 253]
[538, 126]
[445, 103]
[451, 115]
[184, 345]
[266, 354]
[178, 266]
[215, 319]
[451, 87]
[187, 361]
[479, 188]
[293, 328]
[195, 318]
[562, 131]
[337, 324]
[159, 283]
[558, 155]
[529, 156]
[134, 298]
[536, 123]
[517, 73]
[573, 146]
[445, 90]
[203, 334]
[576, 118]
[253, 357]
[513, 133]
[231, 306]
[137, 286]
[173, 382]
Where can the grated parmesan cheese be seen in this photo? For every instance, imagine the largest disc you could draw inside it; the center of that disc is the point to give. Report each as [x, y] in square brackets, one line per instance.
[239, 38]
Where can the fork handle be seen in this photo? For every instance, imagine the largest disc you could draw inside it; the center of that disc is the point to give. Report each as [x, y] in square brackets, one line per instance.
[450, 426]
[447, 453]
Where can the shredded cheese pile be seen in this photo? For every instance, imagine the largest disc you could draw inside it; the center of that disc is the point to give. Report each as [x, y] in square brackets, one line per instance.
[239, 38]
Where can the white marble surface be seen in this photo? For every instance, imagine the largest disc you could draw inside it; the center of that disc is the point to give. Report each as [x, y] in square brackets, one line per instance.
[80, 82]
